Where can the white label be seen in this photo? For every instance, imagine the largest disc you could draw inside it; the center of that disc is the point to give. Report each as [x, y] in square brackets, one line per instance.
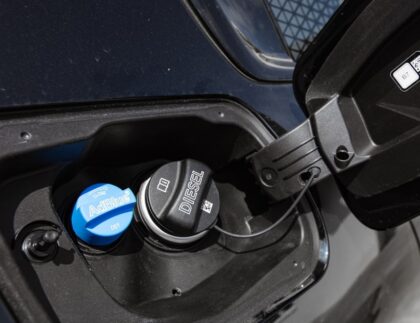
[114, 226]
[416, 63]
[207, 206]
[108, 204]
[405, 76]
[163, 185]
[191, 192]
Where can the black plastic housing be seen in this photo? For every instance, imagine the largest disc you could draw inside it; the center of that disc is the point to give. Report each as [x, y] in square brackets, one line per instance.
[358, 111]
[217, 279]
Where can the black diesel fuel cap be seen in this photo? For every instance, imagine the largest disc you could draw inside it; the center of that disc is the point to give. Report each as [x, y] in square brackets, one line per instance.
[180, 201]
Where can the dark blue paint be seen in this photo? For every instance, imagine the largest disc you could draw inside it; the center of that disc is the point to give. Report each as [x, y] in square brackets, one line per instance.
[246, 31]
[66, 51]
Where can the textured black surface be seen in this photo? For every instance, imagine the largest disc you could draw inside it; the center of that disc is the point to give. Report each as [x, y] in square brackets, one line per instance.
[301, 20]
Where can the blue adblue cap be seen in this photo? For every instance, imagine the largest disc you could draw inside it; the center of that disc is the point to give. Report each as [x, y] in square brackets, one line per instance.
[102, 213]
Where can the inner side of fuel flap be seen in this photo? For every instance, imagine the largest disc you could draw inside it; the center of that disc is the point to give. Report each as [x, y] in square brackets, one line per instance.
[390, 113]
[361, 105]
[140, 278]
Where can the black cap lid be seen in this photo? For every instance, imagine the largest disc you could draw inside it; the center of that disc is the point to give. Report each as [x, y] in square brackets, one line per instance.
[183, 198]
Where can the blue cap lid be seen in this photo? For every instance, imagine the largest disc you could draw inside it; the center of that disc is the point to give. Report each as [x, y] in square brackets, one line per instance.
[102, 213]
